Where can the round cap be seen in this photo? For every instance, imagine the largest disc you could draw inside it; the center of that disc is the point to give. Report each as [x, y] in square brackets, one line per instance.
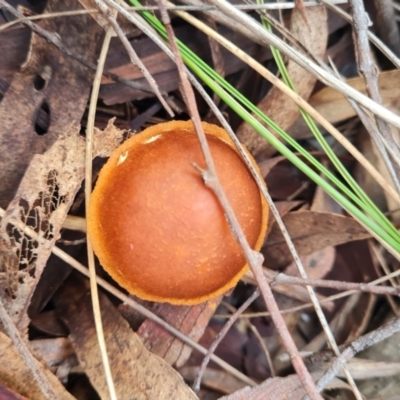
[158, 230]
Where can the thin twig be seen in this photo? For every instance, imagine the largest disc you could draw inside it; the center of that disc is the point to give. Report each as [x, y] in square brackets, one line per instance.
[358, 345]
[283, 279]
[314, 299]
[221, 334]
[39, 237]
[88, 190]
[253, 258]
[33, 365]
[369, 71]
[326, 299]
[371, 36]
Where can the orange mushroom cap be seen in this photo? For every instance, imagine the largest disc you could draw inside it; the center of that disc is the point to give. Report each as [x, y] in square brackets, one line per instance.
[158, 230]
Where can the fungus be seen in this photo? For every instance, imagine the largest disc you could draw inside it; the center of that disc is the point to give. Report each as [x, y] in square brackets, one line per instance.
[158, 230]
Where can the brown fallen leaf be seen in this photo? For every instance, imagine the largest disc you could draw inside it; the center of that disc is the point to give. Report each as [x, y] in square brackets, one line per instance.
[277, 105]
[310, 231]
[17, 376]
[161, 67]
[288, 388]
[136, 372]
[50, 92]
[215, 379]
[333, 106]
[189, 320]
[316, 265]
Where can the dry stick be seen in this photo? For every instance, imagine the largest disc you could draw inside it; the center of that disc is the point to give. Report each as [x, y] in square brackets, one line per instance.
[33, 365]
[326, 299]
[372, 37]
[132, 54]
[297, 99]
[383, 263]
[283, 279]
[253, 258]
[327, 78]
[55, 39]
[129, 301]
[88, 190]
[369, 123]
[221, 334]
[368, 70]
[205, 7]
[383, 146]
[314, 299]
[358, 345]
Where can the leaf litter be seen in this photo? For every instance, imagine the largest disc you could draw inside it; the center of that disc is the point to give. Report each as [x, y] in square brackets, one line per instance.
[49, 169]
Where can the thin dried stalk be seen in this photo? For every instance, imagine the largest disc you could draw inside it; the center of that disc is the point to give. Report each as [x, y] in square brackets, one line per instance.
[253, 258]
[221, 334]
[283, 279]
[371, 36]
[358, 345]
[88, 190]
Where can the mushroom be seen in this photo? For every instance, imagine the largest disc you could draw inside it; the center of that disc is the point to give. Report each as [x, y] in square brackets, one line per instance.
[158, 230]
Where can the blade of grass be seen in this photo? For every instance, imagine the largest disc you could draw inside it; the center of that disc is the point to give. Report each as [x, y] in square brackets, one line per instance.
[372, 208]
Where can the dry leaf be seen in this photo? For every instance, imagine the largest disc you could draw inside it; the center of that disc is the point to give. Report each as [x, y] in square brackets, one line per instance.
[288, 388]
[161, 67]
[47, 96]
[18, 377]
[136, 372]
[334, 107]
[317, 264]
[310, 231]
[216, 379]
[191, 321]
[42, 202]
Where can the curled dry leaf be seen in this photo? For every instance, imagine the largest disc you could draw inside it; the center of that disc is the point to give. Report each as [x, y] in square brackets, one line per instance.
[18, 377]
[277, 105]
[310, 231]
[137, 372]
